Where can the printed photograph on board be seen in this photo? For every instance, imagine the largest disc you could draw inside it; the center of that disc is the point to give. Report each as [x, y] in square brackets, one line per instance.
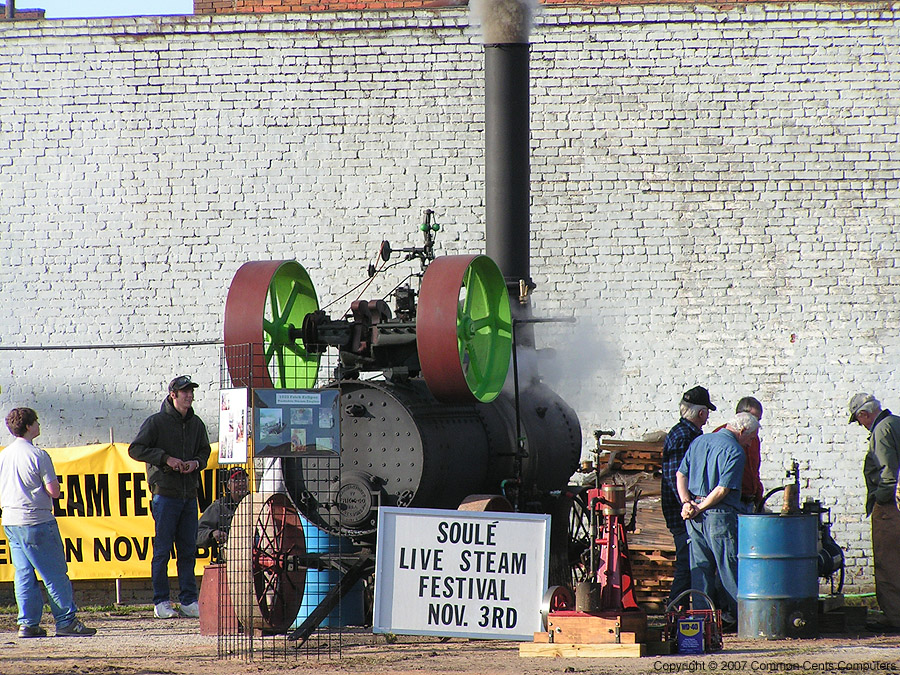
[326, 418]
[233, 415]
[271, 426]
[298, 440]
[301, 417]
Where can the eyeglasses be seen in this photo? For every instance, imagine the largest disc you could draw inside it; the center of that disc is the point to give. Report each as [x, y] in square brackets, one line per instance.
[180, 382]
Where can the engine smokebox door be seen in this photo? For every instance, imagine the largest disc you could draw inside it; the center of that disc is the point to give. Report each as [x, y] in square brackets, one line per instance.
[357, 500]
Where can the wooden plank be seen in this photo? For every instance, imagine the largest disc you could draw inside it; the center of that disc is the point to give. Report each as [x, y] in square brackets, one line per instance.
[655, 556]
[579, 627]
[619, 442]
[527, 649]
[669, 554]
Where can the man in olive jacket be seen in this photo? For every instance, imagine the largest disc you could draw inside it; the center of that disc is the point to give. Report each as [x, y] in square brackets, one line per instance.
[880, 469]
[175, 446]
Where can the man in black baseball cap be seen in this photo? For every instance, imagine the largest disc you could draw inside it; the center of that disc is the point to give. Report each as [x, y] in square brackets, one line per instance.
[698, 396]
[694, 410]
[174, 445]
[182, 382]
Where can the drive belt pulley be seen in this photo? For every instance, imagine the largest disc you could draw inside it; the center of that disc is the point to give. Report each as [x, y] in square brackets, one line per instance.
[464, 329]
[267, 302]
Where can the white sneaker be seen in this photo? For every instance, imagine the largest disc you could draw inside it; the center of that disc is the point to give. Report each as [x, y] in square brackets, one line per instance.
[163, 610]
[192, 610]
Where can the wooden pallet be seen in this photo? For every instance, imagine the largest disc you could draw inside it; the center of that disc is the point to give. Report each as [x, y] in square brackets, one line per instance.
[582, 650]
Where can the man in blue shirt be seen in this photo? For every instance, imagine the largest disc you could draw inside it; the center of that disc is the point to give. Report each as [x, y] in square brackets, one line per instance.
[694, 409]
[709, 486]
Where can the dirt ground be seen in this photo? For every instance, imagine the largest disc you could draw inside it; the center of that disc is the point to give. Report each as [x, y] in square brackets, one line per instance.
[134, 643]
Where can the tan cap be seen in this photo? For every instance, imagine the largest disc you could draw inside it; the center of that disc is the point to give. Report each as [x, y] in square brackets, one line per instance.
[857, 402]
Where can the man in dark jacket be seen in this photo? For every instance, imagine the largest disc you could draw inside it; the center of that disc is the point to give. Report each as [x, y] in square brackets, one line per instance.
[175, 446]
[880, 469]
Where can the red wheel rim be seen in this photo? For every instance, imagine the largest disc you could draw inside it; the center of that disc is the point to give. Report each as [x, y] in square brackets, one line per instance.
[266, 301]
[464, 329]
[265, 583]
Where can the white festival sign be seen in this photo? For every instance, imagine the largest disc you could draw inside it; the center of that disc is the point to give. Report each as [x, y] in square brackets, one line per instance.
[460, 573]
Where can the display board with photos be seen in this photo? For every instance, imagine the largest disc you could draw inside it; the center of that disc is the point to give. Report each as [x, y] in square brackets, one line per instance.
[295, 422]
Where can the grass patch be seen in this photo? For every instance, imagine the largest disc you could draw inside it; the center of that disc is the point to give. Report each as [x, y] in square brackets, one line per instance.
[115, 610]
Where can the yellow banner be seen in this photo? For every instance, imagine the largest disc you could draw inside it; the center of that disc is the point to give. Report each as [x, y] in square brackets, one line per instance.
[104, 513]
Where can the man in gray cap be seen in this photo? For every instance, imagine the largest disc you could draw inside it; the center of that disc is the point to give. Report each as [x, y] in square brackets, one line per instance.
[880, 469]
[174, 445]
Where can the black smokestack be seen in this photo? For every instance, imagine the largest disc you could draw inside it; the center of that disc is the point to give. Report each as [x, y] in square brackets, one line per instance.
[506, 25]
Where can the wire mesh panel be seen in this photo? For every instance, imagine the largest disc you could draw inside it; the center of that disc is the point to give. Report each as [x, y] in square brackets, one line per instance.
[265, 366]
[282, 587]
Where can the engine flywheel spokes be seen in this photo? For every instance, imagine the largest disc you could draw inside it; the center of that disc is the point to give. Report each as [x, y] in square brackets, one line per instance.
[266, 304]
[278, 582]
[464, 329]
[265, 580]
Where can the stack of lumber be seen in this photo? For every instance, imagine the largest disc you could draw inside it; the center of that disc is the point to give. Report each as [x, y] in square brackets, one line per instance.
[653, 571]
[623, 455]
[638, 465]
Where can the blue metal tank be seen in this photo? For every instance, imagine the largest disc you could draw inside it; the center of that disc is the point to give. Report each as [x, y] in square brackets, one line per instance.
[778, 583]
[350, 610]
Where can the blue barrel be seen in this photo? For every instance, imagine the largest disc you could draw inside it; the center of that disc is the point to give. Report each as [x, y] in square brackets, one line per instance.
[350, 611]
[778, 582]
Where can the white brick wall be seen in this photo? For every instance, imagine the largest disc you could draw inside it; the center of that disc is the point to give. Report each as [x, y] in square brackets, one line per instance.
[714, 197]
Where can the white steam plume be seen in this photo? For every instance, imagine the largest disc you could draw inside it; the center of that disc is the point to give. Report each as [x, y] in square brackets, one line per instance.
[581, 366]
[503, 21]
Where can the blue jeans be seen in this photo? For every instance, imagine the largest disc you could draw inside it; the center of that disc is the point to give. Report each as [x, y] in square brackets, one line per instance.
[176, 523]
[39, 547]
[682, 579]
[713, 536]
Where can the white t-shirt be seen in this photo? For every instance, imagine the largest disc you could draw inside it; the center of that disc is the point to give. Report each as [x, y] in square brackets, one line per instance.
[24, 470]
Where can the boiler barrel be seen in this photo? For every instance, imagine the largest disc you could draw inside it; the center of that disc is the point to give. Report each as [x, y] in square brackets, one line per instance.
[778, 584]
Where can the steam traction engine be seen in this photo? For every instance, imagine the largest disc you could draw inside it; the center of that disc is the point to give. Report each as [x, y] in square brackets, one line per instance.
[435, 429]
